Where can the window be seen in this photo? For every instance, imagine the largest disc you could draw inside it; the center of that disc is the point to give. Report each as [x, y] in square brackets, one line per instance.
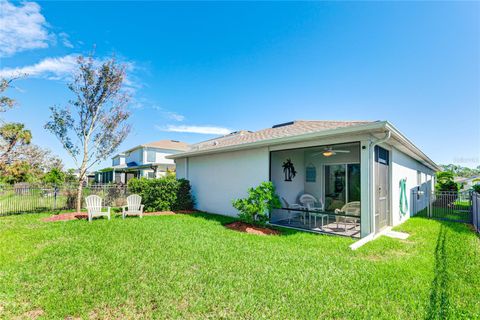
[151, 156]
[342, 184]
[151, 175]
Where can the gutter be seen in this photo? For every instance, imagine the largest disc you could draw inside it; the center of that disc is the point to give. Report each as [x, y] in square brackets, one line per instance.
[289, 139]
[379, 125]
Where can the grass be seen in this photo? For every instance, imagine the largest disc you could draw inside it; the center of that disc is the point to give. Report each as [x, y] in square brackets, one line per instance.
[458, 213]
[190, 266]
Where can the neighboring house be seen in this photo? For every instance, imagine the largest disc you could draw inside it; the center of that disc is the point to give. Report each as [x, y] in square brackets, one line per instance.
[467, 183]
[90, 176]
[358, 163]
[146, 160]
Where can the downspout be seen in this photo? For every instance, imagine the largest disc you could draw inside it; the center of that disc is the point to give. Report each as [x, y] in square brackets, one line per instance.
[371, 186]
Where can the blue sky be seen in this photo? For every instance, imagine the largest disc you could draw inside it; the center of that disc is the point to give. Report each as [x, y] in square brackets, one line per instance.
[218, 67]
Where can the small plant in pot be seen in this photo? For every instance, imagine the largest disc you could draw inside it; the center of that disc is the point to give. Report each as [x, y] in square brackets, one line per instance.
[255, 208]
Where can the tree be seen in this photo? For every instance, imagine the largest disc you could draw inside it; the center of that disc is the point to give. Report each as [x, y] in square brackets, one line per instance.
[12, 135]
[94, 124]
[445, 181]
[55, 176]
[5, 102]
[19, 171]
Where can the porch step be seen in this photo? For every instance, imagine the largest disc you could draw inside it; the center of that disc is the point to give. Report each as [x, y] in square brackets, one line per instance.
[396, 235]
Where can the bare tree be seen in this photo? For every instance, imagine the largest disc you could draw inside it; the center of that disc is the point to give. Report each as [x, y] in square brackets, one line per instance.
[93, 124]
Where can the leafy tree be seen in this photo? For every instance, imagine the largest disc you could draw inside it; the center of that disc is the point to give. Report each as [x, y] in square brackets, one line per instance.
[94, 124]
[55, 176]
[459, 171]
[19, 171]
[445, 181]
[12, 135]
[70, 176]
[257, 206]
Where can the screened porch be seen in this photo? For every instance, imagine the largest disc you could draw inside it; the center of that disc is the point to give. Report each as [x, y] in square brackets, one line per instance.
[319, 188]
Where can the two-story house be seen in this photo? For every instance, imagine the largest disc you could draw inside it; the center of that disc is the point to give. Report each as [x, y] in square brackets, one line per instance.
[145, 160]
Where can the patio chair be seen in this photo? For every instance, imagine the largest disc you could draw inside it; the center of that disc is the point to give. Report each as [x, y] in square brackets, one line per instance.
[352, 209]
[313, 205]
[293, 214]
[94, 208]
[133, 207]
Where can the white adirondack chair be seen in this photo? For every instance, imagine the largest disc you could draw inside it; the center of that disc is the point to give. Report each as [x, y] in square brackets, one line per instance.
[94, 208]
[133, 207]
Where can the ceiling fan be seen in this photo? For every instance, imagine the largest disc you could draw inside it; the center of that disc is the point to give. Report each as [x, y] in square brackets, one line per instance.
[329, 151]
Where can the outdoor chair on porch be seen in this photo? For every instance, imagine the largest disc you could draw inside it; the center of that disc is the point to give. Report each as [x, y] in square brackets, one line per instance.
[314, 206]
[94, 208]
[350, 209]
[133, 207]
[293, 214]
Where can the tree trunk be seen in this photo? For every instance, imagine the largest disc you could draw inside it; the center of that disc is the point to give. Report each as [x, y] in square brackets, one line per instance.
[79, 195]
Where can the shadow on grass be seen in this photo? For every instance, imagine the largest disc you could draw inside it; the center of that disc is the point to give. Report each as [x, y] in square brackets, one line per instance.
[439, 297]
[223, 220]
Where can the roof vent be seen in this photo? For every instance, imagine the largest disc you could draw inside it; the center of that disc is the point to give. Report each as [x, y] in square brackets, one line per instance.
[283, 124]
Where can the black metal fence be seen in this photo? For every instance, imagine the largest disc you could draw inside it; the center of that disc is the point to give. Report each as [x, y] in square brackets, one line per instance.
[26, 198]
[443, 205]
[476, 211]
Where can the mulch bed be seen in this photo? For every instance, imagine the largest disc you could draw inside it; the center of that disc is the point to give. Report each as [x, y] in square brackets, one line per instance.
[248, 228]
[83, 215]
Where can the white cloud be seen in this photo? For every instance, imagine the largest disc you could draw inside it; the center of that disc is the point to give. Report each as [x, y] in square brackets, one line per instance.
[62, 68]
[195, 129]
[48, 68]
[22, 28]
[174, 116]
[65, 38]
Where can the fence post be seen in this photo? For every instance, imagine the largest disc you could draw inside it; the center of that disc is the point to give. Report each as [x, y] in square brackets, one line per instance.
[55, 190]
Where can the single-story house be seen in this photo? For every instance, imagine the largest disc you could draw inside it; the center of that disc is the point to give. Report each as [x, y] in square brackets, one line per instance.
[146, 160]
[341, 177]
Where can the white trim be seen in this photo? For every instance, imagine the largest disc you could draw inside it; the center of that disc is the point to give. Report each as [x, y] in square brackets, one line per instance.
[379, 127]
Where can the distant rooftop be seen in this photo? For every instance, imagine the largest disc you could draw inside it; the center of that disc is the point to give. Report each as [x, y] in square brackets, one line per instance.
[281, 130]
[164, 144]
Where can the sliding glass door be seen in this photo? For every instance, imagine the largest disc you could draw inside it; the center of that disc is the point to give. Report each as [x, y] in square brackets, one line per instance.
[342, 185]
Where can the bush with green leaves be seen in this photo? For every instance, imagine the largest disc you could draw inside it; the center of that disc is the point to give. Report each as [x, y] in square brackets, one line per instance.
[257, 206]
[445, 181]
[476, 188]
[163, 194]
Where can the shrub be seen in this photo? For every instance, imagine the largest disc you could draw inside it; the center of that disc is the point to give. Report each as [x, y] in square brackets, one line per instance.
[184, 196]
[445, 182]
[476, 188]
[163, 194]
[257, 206]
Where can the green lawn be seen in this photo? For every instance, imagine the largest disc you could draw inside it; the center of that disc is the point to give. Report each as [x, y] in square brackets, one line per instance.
[190, 266]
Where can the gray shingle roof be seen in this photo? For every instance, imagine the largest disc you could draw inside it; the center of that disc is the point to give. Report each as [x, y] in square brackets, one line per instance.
[293, 128]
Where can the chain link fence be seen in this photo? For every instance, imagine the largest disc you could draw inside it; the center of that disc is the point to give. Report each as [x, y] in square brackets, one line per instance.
[29, 198]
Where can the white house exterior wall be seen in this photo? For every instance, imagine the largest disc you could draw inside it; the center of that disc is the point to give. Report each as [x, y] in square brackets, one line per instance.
[404, 167]
[219, 178]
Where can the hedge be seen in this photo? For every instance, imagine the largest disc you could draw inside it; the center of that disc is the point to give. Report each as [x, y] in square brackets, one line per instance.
[163, 194]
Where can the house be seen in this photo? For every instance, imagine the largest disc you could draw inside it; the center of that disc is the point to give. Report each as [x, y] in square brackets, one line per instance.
[355, 171]
[467, 183]
[145, 160]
